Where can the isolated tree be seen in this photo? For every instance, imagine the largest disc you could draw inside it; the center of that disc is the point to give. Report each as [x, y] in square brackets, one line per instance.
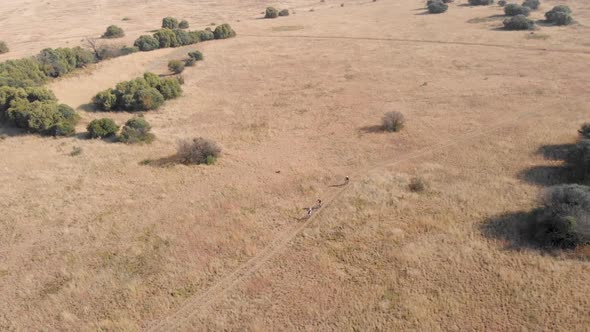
[169, 23]
[271, 12]
[113, 31]
[176, 66]
[3, 48]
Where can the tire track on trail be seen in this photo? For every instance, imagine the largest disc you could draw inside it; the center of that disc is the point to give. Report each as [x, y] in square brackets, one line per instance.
[182, 316]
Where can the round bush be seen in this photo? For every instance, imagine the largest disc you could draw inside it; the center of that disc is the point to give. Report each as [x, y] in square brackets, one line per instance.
[166, 38]
[518, 22]
[189, 62]
[176, 66]
[113, 31]
[183, 24]
[198, 151]
[532, 4]
[585, 130]
[170, 88]
[197, 55]
[560, 18]
[437, 7]
[169, 23]
[393, 121]
[271, 12]
[146, 43]
[3, 48]
[183, 37]
[136, 130]
[480, 2]
[513, 9]
[206, 34]
[101, 128]
[224, 31]
[147, 99]
[105, 100]
[502, 3]
[284, 12]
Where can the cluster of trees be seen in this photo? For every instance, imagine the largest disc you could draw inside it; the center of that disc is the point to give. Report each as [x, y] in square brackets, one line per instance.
[136, 130]
[141, 94]
[172, 23]
[559, 15]
[167, 37]
[272, 12]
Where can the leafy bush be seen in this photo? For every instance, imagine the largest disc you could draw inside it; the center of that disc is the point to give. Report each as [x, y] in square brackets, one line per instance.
[198, 151]
[3, 47]
[101, 128]
[284, 12]
[417, 184]
[183, 37]
[21, 73]
[206, 34]
[518, 22]
[166, 38]
[559, 15]
[585, 130]
[437, 7]
[271, 12]
[502, 3]
[197, 55]
[513, 9]
[480, 2]
[532, 4]
[60, 61]
[176, 66]
[141, 94]
[126, 50]
[189, 62]
[113, 31]
[169, 23]
[393, 121]
[564, 219]
[224, 31]
[42, 117]
[183, 24]
[136, 130]
[146, 43]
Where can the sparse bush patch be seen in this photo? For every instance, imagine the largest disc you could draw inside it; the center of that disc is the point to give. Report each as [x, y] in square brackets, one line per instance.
[136, 130]
[197, 55]
[513, 9]
[224, 31]
[169, 23]
[113, 31]
[417, 184]
[176, 66]
[102, 128]
[189, 62]
[198, 151]
[271, 12]
[518, 22]
[393, 121]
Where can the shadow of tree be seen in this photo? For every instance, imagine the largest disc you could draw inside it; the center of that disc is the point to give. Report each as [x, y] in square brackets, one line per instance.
[556, 151]
[546, 175]
[372, 129]
[11, 131]
[510, 229]
[162, 162]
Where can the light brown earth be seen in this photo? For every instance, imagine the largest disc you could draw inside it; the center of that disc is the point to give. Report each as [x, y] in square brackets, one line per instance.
[100, 242]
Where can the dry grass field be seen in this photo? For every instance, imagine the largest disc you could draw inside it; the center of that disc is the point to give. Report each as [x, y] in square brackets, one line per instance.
[102, 241]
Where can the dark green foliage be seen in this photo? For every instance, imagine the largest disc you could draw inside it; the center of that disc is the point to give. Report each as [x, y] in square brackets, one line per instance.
[271, 12]
[146, 43]
[60, 61]
[532, 4]
[176, 66]
[585, 130]
[564, 219]
[513, 9]
[224, 31]
[502, 3]
[198, 151]
[166, 38]
[579, 161]
[125, 50]
[437, 7]
[169, 23]
[3, 47]
[197, 55]
[518, 22]
[189, 62]
[183, 24]
[559, 15]
[102, 128]
[195, 36]
[136, 130]
[141, 94]
[393, 121]
[21, 73]
[113, 31]
[183, 37]
[284, 12]
[480, 2]
[206, 34]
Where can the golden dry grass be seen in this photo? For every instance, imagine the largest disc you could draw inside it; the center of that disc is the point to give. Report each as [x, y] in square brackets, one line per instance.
[99, 241]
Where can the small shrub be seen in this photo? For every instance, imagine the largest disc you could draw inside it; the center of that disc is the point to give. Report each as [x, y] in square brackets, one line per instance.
[437, 7]
[393, 121]
[189, 62]
[271, 12]
[136, 130]
[196, 55]
[183, 24]
[518, 22]
[284, 12]
[585, 130]
[146, 43]
[3, 48]
[76, 151]
[113, 31]
[224, 31]
[102, 128]
[169, 23]
[559, 15]
[169, 88]
[564, 219]
[176, 66]
[166, 38]
[198, 151]
[480, 2]
[532, 4]
[513, 9]
[502, 3]
[148, 99]
[417, 184]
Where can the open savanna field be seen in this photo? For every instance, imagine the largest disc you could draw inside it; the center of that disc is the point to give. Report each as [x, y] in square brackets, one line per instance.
[113, 238]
